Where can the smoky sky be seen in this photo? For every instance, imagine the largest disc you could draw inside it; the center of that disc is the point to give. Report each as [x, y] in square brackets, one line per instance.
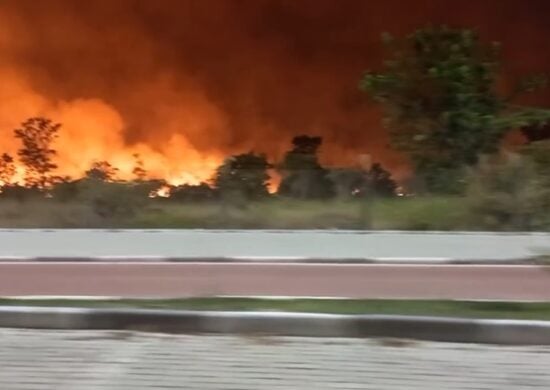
[234, 75]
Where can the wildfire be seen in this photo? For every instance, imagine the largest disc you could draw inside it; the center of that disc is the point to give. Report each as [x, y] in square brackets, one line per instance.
[91, 131]
[162, 192]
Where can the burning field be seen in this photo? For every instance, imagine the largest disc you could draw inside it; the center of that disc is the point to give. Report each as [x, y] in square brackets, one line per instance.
[183, 85]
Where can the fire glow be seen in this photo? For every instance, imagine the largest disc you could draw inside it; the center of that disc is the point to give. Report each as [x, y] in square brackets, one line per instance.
[91, 131]
[184, 87]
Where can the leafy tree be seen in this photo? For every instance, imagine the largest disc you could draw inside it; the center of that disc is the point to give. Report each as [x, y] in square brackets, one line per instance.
[36, 153]
[302, 174]
[244, 175]
[7, 169]
[441, 104]
[102, 171]
[139, 171]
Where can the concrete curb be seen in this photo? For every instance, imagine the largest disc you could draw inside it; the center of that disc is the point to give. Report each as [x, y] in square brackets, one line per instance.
[272, 259]
[284, 231]
[460, 330]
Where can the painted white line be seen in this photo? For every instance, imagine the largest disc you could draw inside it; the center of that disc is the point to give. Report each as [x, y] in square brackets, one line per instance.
[414, 259]
[268, 258]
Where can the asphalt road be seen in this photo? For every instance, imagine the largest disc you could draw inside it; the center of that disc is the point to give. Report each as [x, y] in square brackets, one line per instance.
[269, 245]
[514, 282]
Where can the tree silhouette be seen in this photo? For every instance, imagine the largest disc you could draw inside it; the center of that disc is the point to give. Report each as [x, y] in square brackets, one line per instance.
[244, 175]
[102, 171]
[7, 169]
[36, 153]
[139, 171]
[302, 174]
[380, 181]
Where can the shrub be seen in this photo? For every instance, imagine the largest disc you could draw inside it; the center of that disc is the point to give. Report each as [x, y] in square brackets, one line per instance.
[508, 193]
[113, 200]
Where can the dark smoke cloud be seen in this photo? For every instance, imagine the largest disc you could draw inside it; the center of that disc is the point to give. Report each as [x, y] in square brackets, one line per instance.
[231, 75]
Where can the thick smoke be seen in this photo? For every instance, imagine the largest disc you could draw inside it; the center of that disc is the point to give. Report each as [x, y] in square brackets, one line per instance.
[185, 82]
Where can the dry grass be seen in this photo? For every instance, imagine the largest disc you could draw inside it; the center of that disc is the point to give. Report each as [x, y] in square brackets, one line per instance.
[422, 213]
[45, 213]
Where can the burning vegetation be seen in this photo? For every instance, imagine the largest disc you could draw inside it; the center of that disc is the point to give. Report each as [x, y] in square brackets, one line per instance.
[245, 175]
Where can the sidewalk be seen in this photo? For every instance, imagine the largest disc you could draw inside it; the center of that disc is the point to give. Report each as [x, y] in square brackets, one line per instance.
[261, 246]
[89, 360]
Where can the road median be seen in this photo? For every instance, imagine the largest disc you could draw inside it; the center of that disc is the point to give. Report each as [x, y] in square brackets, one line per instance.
[462, 330]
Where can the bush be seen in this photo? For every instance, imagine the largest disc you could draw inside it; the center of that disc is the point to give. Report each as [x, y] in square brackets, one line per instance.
[113, 200]
[21, 193]
[508, 193]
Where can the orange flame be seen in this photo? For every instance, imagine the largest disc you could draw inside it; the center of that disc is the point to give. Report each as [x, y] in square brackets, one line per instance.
[92, 130]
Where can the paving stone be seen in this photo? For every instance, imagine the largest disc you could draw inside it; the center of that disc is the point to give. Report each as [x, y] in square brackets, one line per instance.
[107, 360]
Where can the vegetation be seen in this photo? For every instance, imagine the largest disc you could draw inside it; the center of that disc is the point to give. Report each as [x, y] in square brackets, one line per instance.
[36, 153]
[243, 176]
[442, 107]
[509, 310]
[508, 194]
[408, 213]
[303, 176]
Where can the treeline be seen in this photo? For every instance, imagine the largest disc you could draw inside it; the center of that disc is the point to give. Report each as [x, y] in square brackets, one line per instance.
[241, 177]
[442, 108]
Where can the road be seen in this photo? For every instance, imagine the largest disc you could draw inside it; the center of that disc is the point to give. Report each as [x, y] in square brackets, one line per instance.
[267, 245]
[106, 360]
[127, 279]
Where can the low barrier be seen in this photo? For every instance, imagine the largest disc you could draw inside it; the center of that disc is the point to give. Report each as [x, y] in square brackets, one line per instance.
[462, 330]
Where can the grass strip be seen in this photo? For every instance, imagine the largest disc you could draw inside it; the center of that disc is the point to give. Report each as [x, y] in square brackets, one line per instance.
[471, 309]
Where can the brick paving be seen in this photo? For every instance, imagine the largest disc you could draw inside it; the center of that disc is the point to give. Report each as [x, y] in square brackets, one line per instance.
[89, 360]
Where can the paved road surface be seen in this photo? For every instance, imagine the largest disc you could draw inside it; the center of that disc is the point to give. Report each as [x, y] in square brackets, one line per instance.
[100, 360]
[385, 246]
[324, 280]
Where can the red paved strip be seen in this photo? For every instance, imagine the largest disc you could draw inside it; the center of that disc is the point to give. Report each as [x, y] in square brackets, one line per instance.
[195, 279]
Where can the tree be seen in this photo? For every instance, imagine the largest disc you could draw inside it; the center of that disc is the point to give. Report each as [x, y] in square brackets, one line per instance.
[102, 171]
[37, 135]
[139, 171]
[7, 169]
[302, 174]
[380, 181]
[244, 175]
[441, 103]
